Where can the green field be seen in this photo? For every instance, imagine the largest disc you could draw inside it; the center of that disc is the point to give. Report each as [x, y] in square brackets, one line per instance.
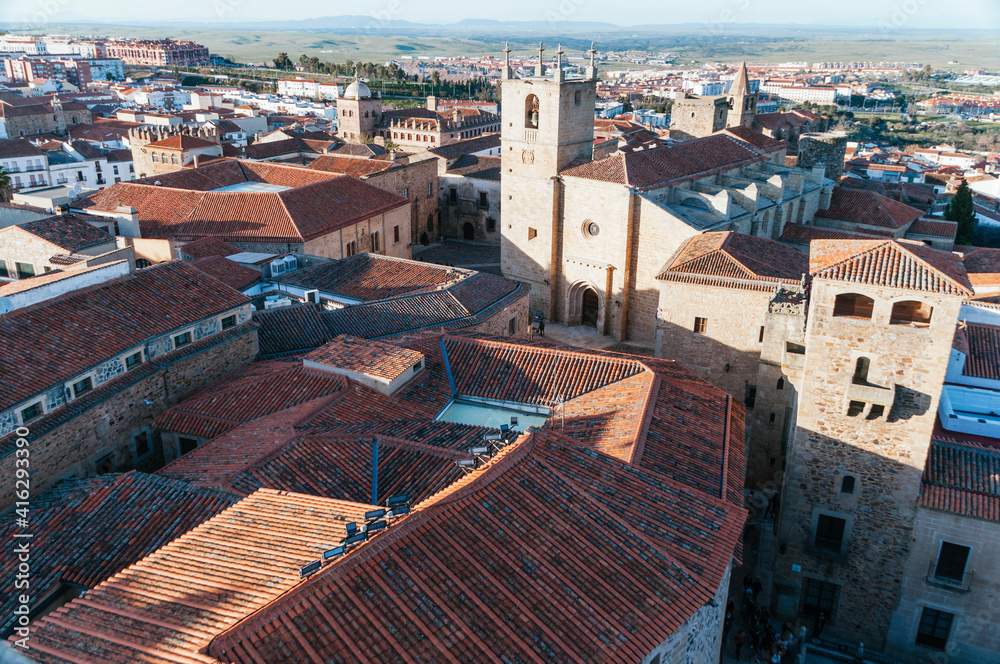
[688, 44]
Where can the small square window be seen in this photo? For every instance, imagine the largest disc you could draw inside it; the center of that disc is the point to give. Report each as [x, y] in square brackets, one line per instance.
[512, 325]
[484, 200]
[700, 325]
[82, 387]
[133, 360]
[25, 270]
[32, 412]
[228, 322]
[182, 340]
[830, 533]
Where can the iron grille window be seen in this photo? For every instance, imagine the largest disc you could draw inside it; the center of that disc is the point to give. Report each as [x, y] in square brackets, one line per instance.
[819, 596]
[952, 561]
[829, 533]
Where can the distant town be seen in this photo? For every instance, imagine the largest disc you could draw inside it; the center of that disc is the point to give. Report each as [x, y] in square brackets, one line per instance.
[561, 356]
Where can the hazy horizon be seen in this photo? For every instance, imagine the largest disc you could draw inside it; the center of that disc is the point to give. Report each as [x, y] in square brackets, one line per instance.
[873, 14]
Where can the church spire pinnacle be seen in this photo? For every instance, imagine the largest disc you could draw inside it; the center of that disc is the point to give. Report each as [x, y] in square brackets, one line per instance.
[540, 67]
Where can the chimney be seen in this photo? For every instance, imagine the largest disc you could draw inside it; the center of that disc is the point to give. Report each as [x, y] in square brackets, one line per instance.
[196, 160]
[432, 103]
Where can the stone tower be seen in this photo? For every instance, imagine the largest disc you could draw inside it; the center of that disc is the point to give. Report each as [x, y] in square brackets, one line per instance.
[358, 113]
[742, 102]
[881, 319]
[547, 122]
[694, 116]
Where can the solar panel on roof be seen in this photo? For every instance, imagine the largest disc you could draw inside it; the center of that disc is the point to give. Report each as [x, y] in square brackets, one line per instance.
[333, 553]
[480, 450]
[377, 526]
[493, 436]
[354, 539]
[399, 510]
[466, 463]
[309, 568]
[352, 528]
[504, 428]
[401, 499]
[374, 514]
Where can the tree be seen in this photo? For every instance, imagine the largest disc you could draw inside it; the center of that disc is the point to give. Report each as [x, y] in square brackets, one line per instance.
[435, 78]
[5, 187]
[283, 62]
[960, 210]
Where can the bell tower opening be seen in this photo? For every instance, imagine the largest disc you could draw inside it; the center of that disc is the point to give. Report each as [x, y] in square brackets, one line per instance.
[531, 112]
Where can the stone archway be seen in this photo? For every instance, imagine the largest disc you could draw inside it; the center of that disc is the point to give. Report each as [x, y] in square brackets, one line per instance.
[585, 305]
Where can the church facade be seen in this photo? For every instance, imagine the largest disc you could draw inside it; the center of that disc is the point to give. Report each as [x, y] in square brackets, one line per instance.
[591, 236]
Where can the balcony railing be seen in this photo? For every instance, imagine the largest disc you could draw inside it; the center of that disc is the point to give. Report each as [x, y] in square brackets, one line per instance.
[828, 548]
[959, 580]
[530, 135]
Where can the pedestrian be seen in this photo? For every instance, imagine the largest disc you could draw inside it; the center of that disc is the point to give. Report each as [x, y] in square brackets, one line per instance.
[820, 623]
[541, 328]
[772, 506]
[757, 587]
[747, 581]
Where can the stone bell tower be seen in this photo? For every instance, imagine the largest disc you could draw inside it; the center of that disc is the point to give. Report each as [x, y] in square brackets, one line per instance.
[547, 123]
[742, 101]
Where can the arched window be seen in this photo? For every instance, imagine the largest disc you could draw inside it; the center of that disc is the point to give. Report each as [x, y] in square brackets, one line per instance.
[375, 244]
[352, 248]
[847, 484]
[781, 383]
[853, 305]
[911, 312]
[173, 159]
[531, 112]
[861, 371]
[141, 263]
[156, 158]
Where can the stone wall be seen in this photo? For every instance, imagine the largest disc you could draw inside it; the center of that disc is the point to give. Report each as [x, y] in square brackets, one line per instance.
[827, 149]
[89, 430]
[411, 181]
[728, 353]
[44, 123]
[696, 117]
[699, 639]
[974, 636]
[466, 209]
[499, 323]
[23, 247]
[885, 453]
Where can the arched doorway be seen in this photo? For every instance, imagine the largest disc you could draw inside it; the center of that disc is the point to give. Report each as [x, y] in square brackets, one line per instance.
[468, 231]
[589, 308]
[424, 240]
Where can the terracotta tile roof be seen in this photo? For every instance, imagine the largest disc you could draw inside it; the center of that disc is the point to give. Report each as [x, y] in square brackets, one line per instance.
[12, 148]
[305, 211]
[69, 334]
[456, 149]
[173, 603]
[945, 229]
[68, 233]
[366, 151]
[799, 234]
[740, 256]
[262, 389]
[983, 351]
[476, 166]
[271, 149]
[777, 121]
[290, 329]
[983, 266]
[182, 142]
[889, 263]
[963, 479]
[756, 139]
[868, 208]
[659, 167]
[358, 168]
[232, 274]
[92, 528]
[373, 358]
[21, 285]
[491, 571]
[208, 246]
[369, 277]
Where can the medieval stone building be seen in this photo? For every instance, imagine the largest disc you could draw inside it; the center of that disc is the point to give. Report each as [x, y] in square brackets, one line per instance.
[157, 150]
[361, 119]
[591, 236]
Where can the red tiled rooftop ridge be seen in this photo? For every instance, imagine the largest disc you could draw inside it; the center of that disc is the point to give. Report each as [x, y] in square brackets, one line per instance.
[868, 208]
[740, 256]
[889, 263]
[962, 478]
[373, 358]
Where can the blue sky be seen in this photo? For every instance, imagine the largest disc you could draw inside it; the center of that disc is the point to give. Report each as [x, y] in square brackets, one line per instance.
[982, 14]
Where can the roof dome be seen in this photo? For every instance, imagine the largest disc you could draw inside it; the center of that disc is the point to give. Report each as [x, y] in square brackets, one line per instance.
[357, 90]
